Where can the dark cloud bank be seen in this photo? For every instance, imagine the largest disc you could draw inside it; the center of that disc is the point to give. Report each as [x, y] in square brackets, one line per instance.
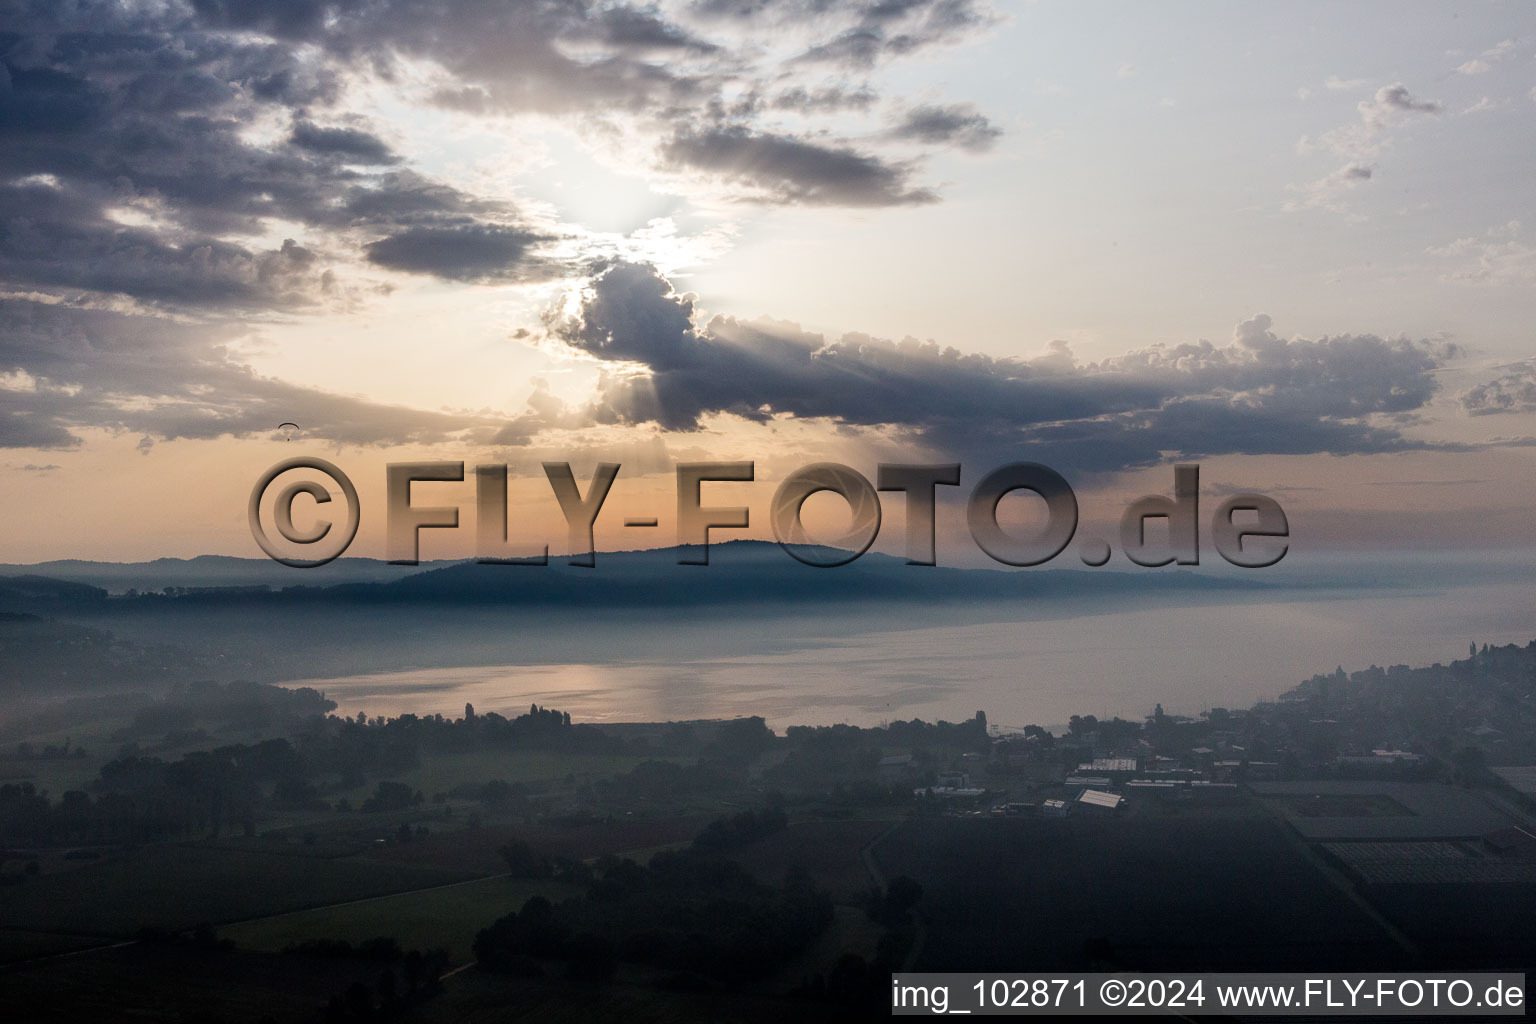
[145, 150]
[1259, 394]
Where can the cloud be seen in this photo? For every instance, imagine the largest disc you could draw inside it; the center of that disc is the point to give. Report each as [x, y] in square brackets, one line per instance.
[113, 116]
[83, 367]
[351, 144]
[1391, 100]
[1358, 143]
[1365, 139]
[858, 34]
[53, 239]
[1484, 63]
[785, 169]
[641, 32]
[824, 99]
[1484, 105]
[1260, 393]
[1327, 192]
[292, 20]
[466, 251]
[1515, 391]
[1499, 256]
[960, 124]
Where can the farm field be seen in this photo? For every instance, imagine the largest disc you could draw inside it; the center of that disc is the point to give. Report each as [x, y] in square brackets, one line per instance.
[1143, 894]
[129, 983]
[444, 918]
[177, 886]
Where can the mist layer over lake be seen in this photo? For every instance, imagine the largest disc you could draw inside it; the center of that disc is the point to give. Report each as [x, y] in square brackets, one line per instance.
[1120, 662]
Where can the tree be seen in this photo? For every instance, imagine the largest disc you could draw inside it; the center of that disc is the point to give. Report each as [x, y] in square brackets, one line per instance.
[522, 862]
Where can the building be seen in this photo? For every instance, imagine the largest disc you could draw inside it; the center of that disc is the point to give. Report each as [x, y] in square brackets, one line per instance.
[1099, 802]
[1055, 809]
[1109, 766]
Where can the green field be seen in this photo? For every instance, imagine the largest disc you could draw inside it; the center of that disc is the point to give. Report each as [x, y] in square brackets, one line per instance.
[443, 918]
[178, 886]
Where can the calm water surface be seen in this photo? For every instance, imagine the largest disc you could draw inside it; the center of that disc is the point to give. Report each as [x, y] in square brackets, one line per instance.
[1120, 663]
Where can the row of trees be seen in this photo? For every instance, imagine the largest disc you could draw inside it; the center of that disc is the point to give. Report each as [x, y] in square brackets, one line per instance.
[138, 797]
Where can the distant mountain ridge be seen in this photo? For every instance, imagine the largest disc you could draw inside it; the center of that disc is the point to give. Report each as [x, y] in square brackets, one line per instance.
[212, 571]
[739, 572]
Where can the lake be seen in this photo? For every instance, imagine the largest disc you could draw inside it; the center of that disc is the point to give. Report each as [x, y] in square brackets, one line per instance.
[1032, 670]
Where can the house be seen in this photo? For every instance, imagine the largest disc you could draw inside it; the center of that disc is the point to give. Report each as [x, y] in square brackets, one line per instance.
[1099, 802]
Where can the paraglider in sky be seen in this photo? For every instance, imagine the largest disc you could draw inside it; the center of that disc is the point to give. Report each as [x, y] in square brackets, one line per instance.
[288, 430]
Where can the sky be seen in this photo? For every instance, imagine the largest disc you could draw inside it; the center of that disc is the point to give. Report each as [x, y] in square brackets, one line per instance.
[1293, 243]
